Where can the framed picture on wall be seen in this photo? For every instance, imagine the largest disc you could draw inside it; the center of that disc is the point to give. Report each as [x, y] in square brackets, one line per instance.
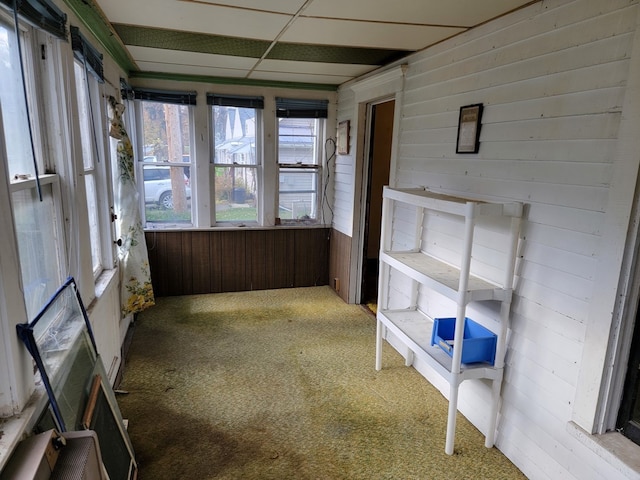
[469, 129]
[342, 144]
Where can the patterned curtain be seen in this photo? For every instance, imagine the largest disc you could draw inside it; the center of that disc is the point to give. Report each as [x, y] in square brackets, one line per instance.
[136, 288]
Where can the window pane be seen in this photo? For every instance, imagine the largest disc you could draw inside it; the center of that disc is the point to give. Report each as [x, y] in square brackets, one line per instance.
[166, 132]
[298, 194]
[236, 186]
[167, 189]
[94, 225]
[235, 135]
[14, 108]
[84, 113]
[167, 194]
[297, 141]
[236, 194]
[37, 240]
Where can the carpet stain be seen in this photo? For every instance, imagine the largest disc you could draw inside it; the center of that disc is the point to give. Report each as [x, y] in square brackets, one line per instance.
[281, 385]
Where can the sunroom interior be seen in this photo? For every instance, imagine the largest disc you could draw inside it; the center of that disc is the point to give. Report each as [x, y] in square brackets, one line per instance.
[180, 147]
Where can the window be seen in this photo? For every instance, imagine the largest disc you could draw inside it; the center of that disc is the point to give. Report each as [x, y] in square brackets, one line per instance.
[88, 74]
[165, 125]
[87, 92]
[36, 224]
[236, 128]
[300, 138]
[35, 204]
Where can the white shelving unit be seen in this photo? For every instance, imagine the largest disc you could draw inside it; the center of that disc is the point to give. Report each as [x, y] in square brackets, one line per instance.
[413, 327]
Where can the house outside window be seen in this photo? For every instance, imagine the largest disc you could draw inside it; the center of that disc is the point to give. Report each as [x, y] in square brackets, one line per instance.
[300, 140]
[236, 130]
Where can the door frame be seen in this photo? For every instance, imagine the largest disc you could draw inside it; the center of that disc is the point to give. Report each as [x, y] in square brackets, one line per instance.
[385, 86]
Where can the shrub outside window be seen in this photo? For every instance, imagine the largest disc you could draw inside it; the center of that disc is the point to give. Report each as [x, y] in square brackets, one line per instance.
[236, 127]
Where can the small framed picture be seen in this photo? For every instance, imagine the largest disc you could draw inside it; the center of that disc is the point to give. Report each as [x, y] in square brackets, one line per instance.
[469, 129]
[342, 144]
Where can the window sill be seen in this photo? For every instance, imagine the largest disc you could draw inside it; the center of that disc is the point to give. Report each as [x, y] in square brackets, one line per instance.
[613, 447]
[227, 227]
[14, 429]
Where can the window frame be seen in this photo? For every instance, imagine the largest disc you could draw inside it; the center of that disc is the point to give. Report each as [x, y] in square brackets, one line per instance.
[316, 168]
[257, 166]
[16, 367]
[186, 99]
[97, 170]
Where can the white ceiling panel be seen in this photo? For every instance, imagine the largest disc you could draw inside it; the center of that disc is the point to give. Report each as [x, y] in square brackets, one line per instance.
[363, 34]
[316, 68]
[196, 17]
[274, 6]
[299, 78]
[173, 68]
[156, 55]
[465, 13]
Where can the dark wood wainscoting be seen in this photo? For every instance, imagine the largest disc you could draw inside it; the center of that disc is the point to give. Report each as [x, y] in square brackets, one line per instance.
[213, 261]
[340, 263]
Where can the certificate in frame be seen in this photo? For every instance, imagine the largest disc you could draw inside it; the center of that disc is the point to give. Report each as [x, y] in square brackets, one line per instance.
[469, 129]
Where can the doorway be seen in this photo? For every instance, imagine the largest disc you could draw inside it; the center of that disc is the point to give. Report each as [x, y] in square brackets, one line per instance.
[629, 414]
[377, 176]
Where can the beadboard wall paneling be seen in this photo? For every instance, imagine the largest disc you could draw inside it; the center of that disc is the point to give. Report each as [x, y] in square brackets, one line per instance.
[339, 262]
[213, 261]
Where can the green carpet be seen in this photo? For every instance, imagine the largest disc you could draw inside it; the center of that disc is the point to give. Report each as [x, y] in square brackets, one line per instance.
[281, 384]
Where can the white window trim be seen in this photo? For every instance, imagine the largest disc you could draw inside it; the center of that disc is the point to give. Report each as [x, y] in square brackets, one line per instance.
[258, 166]
[16, 379]
[319, 167]
[99, 171]
[139, 164]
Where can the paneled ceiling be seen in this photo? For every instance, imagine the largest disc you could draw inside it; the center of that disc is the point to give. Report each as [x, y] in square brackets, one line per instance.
[304, 42]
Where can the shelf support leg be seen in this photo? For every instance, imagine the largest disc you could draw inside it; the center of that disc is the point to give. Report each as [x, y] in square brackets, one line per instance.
[379, 328]
[451, 419]
[408, 359]
[493, 414]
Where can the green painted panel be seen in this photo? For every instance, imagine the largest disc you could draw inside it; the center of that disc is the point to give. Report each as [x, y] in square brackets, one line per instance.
[332, 54]
[190, 41]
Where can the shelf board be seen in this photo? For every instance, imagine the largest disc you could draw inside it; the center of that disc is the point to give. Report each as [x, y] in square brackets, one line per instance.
[442, 277]
[450, 204]
[413, 328]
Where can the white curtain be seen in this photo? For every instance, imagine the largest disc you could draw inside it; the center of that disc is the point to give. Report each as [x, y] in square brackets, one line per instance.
[135, 277]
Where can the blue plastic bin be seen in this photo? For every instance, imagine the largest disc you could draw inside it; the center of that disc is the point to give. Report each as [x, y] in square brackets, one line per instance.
[478, 343]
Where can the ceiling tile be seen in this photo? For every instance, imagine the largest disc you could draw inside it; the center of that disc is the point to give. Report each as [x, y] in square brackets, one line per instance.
[192, 70]
[426, 12]
[275, 6]
[196, 17]
[315, 68]
[190, 59]
[299, 78]
[363, 34]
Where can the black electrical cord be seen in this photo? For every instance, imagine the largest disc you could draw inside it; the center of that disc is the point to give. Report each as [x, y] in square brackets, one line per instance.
[330, 156]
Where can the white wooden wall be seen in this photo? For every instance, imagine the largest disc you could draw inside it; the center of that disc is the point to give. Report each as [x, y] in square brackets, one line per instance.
[343, 180]
[552, 78]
